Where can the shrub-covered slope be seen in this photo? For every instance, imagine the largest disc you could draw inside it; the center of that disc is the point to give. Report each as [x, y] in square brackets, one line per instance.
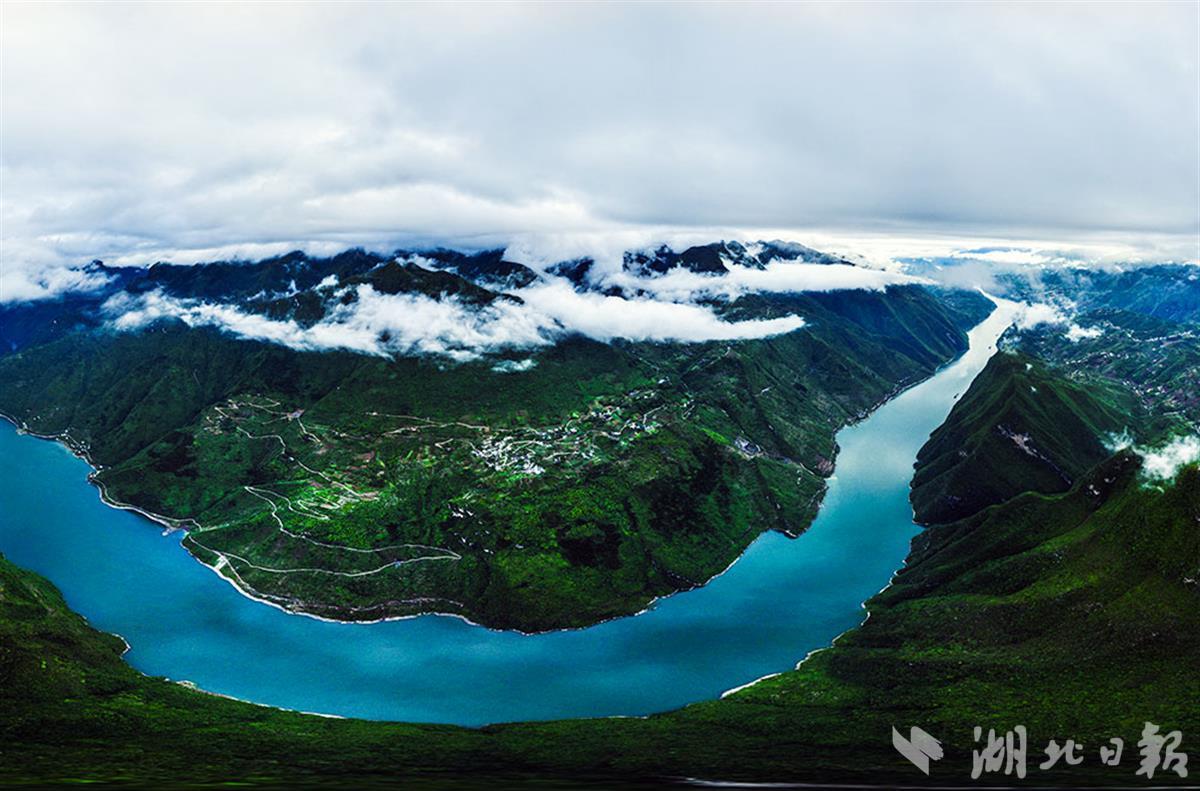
[1075, 615]
[547, 489]
[1020, 427]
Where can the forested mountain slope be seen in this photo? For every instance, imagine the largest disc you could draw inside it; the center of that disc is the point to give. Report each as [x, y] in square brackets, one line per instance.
[526, 488]
[1020, 427]
[1049, 407]
[1074, 615]
[1071, 614]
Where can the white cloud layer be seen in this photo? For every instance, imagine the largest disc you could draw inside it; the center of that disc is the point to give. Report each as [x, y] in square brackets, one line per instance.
[191, 131]
[1034, 314]
[683, 285]
[1076, 333]
[27, 285]
[1164, 463]
[387, 324]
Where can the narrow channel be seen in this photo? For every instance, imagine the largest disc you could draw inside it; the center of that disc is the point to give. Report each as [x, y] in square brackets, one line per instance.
[781, 600]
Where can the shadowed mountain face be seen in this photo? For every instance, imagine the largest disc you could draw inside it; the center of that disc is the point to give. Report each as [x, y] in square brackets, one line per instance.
[523, 487]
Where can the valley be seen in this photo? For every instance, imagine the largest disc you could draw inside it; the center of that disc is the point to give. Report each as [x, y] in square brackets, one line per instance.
[1053, 588]
[555, 488]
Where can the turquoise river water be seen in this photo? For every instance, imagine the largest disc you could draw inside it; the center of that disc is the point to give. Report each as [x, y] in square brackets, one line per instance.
[782, 599]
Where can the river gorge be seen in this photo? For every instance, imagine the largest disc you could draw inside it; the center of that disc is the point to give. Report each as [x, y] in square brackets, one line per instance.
[782, 599]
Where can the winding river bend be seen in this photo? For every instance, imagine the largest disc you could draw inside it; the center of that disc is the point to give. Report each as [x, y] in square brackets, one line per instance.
[782, 599]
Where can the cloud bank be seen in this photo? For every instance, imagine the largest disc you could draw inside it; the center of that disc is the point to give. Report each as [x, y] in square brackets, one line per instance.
[408, 324]
[28, 285]
[1164, 463]
[614, 300]
[683, 285]
[1034, 314]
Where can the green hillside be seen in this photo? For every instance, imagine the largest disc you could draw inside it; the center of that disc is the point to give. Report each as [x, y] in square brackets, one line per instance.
[1020, 427]
[539, 490]
[1075, 615]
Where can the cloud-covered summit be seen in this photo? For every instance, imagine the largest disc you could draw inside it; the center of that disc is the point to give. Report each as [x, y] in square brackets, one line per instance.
[464, 305]
[414, 324]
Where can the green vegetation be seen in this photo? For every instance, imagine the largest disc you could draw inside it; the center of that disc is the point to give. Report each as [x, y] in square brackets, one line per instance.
[1073, 612]
[1074, 615]
[576, 487]
[1155, 360]
[1048, 408]
[1020, 427]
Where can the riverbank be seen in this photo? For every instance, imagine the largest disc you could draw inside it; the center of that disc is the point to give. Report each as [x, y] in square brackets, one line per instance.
[1090, 661]
[784, 598]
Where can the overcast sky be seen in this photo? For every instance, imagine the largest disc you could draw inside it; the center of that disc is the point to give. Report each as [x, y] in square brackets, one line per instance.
[136, 132]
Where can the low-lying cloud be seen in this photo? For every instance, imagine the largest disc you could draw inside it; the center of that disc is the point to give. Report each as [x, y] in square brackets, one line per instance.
[407, 324]
[1163, 464]
[1034, 314]
[610, 317]
[679, 305]
[1076, 333]
[683, 285]
[30, 285]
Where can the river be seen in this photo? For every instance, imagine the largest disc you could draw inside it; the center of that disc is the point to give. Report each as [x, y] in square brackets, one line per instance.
[782, 599]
